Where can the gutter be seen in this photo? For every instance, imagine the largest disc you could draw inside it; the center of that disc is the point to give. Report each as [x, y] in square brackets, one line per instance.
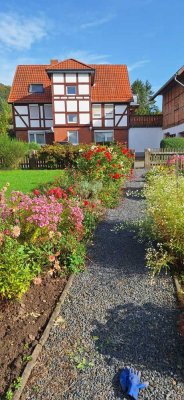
[175, 78]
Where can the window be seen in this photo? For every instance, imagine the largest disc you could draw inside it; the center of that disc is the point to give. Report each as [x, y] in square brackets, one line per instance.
[96, 110]
[108, 110]
[71, 90]
[73, 137]
[36, 88]
[103, 136]
[72, 118]
[48, 111]
[37, 137]
[34, 111]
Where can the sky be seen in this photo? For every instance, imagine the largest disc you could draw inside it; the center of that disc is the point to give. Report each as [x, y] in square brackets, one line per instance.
[146, 35]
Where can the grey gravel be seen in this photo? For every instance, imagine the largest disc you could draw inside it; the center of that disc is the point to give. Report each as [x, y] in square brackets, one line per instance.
[114, 316]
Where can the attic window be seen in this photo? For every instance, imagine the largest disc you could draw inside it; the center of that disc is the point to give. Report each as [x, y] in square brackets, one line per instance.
[36, 88]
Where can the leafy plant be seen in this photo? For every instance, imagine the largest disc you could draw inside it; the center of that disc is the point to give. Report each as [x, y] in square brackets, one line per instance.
[173, 143]
[9, 395]
[17, 269]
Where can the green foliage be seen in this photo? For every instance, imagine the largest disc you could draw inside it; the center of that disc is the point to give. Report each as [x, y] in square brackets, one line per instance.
[12, 151]
[144, 91]
[9, 395]
[164, 195]
[4, 92]
[66, 154]
[174, 143]
[5, 117]
[17, 269]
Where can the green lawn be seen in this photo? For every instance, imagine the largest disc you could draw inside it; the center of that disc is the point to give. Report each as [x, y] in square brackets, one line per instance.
[27, 180]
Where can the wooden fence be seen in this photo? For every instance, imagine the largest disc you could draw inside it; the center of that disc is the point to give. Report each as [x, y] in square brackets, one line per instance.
[146, 121]
[162, 156]
[37, 163]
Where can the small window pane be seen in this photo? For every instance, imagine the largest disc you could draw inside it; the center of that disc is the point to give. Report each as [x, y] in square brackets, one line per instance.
[36, 88]
[71, 90]
[48, 111]
[31, 137]
[73, 137]
[103, 136]
[108, 109]
[40, 138]
[72, 118]
[96, 110]
[34, 111]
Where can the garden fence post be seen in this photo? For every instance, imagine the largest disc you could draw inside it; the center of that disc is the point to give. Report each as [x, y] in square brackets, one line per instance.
[147, 161]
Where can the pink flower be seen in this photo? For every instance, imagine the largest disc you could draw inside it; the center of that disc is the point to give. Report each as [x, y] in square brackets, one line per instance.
[16, 231]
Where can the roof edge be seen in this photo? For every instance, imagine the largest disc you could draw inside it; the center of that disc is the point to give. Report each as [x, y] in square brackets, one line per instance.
[159, 92]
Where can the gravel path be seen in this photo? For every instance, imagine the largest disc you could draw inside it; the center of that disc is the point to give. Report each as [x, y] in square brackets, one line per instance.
[113, 317]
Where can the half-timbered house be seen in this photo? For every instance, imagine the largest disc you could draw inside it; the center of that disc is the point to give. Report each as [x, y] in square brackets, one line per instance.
[173, 104]
[70, 101]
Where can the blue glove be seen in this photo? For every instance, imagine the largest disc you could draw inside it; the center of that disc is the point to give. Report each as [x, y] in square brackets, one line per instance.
[135, 384]
[124, 375]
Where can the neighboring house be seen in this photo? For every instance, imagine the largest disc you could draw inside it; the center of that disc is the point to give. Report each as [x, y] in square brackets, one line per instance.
[173, 104]
[71, 101]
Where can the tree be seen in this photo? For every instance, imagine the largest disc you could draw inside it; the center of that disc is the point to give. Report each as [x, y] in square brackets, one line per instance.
[4, 91]
[144, 92]
[5, 117]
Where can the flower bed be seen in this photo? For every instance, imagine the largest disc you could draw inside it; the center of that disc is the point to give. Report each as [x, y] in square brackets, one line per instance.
[43, 236]
[164, 195]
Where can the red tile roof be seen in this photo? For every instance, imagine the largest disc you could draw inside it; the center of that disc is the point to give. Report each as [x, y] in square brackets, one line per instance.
[70, 64]
[24, 76]
[111, 82]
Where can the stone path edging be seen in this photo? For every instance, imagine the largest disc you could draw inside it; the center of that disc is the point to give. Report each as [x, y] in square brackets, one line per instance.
[37, 350]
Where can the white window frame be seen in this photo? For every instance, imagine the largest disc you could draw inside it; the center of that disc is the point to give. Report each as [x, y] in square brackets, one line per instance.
[35, 133]
[99, 114]
[71, 94]
[68, 136]
[104, 131]
[72, 122]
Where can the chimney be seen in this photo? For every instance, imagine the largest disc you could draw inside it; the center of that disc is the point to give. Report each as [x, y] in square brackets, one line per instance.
[52, 62]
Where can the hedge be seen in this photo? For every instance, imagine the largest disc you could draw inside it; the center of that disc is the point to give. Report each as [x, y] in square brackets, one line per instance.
[174, 143]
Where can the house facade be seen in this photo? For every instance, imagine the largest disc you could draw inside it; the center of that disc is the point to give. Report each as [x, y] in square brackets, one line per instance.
[173, 105]
[70, 101]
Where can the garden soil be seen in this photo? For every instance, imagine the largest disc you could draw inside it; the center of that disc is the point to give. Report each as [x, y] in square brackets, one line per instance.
[21, 325]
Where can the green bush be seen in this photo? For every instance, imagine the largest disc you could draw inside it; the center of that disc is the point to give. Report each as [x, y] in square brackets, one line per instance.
[17, 269]
[164, 195]
[174, 143]
[12, 151]
[66, 154]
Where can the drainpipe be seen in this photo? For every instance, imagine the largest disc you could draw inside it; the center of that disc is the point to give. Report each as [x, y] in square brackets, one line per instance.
[178, 81]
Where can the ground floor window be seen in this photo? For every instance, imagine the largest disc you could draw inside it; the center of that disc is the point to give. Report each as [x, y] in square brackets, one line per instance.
[37, 136]
[103, 136]
[73, 137]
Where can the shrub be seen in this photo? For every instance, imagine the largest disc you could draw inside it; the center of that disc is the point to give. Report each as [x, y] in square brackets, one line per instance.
[164, 198]
[12, 151]
[65, 154]
[174, 143]
[17, 268]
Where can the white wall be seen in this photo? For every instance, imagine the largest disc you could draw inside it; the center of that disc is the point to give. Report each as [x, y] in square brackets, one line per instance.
[175, 130]
[145, 138]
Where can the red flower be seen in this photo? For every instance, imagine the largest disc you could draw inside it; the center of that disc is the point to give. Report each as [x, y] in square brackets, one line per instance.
[116, 176]
[93, 205]
[57, 192]
[70, 189]
[108, 155]
[36, 192]
[86, 203]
